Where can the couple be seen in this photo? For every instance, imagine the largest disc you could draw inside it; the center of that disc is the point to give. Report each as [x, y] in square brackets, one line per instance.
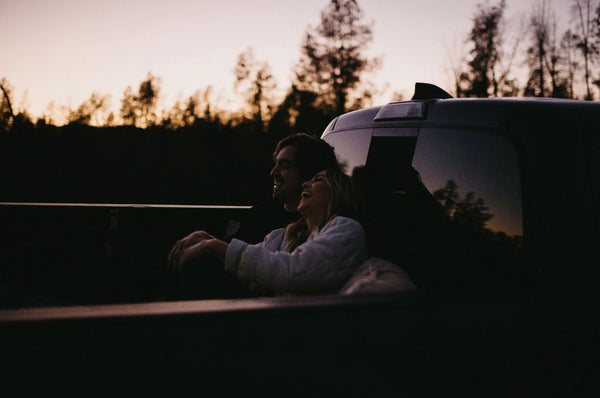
[314, 255]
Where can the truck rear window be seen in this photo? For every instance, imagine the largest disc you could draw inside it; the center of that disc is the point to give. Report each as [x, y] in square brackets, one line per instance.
[447, 207]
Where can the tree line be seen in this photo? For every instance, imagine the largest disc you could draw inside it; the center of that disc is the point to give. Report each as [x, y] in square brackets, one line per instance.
[329, 77]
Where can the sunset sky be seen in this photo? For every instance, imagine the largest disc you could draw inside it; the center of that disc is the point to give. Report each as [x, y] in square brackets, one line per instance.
[63, 50]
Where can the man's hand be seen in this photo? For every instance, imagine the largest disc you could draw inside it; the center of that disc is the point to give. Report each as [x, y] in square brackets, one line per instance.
[175, 256]
[195, 252]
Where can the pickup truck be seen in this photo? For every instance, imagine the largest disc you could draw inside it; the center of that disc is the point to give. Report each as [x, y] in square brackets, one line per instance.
[492, 206]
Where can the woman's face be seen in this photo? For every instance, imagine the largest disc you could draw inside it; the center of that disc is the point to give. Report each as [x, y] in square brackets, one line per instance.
[315, 198]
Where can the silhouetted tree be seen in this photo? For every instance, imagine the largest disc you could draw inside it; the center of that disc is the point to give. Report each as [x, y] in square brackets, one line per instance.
[486, 75]
[91, 110]
[557, 64]
[584, 38]
[539, 26]
[466, 211]
[333, 57]
[139, 109]
[544, 55]
[596, 34]
[569, 49]
[182, 114]
[257, 83]
[186, 113]
[147, 98]
[128, 107]
[471, 212]
[6, 110]
[209, 111]
[172, 118]
[447, 197]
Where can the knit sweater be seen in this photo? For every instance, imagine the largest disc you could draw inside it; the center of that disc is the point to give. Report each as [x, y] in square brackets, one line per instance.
[318, 266]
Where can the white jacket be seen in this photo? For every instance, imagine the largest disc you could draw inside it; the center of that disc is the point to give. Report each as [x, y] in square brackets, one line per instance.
[320, 265]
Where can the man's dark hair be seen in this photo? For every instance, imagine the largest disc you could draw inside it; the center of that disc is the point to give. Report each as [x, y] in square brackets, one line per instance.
[312, 154]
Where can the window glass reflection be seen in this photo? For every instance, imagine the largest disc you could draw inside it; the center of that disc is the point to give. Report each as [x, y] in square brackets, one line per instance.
[351, 147]
[474, 176]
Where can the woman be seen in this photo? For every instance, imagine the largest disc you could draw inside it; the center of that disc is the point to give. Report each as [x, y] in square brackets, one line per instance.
[314, 255]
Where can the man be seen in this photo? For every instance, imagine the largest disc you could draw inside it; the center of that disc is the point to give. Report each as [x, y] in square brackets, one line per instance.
[298, 158]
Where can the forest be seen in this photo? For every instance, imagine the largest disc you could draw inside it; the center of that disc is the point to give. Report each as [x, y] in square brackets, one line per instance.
[193, 152]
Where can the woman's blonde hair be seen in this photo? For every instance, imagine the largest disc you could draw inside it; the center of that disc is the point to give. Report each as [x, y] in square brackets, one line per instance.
[343, 202]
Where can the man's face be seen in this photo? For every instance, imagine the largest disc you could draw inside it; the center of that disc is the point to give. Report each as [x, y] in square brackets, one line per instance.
[287, 186]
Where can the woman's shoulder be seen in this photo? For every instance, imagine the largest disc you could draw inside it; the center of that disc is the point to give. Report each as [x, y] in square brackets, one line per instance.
[342, 222]
[276, 234]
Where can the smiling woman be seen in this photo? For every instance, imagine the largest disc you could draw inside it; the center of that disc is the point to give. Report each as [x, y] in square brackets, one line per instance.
[330, 193]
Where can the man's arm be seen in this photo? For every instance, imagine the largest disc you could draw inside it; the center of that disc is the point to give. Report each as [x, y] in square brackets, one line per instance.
[210, 247]
[174, 261]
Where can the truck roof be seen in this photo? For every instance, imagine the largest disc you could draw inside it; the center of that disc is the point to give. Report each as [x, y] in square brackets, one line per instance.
[487, 113]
